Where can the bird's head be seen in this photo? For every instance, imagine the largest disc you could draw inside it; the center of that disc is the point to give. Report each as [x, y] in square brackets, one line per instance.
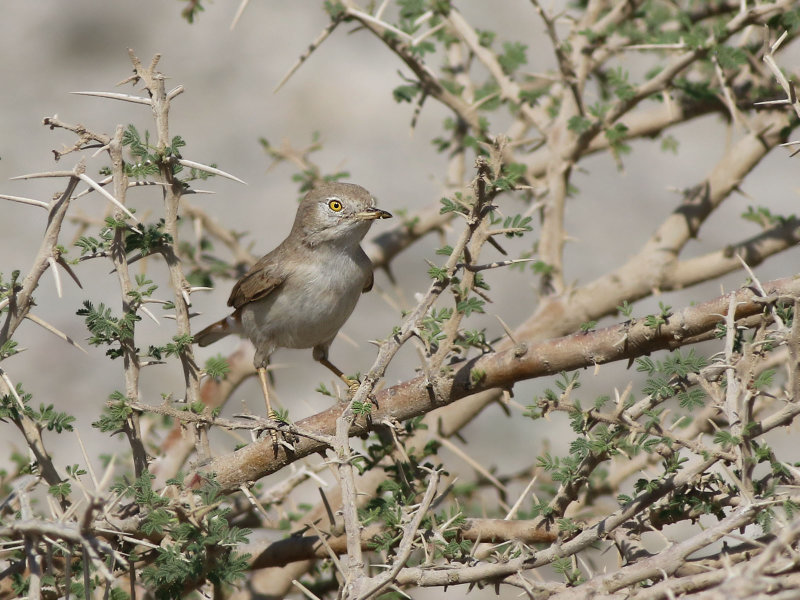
[336, 212]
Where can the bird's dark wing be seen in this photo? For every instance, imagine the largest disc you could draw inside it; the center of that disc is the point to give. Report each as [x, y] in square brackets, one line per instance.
[261, 280]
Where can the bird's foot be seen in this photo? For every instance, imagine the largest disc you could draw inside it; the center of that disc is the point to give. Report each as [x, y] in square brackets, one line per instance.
[352, 386]
[280, 432]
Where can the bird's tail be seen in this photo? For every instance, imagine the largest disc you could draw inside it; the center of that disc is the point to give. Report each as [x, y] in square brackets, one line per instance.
[217, 331]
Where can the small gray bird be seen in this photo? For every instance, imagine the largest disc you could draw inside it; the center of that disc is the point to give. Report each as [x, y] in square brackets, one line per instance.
[300, 294]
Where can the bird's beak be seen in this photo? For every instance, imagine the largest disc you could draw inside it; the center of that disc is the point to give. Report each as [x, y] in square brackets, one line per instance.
[373, 213]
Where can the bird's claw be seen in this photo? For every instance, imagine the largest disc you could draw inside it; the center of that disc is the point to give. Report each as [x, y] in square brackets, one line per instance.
[281, 435]
[352, 386]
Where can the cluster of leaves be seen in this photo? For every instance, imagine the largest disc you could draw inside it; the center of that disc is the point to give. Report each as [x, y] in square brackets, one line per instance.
[47, 417]
[149, 158]
[600, 439]
[106, 329]
[404, 486]
[7, 290]
[670, 378]
[763, 217]
[145, 239]
[198, 540]
[405, 482]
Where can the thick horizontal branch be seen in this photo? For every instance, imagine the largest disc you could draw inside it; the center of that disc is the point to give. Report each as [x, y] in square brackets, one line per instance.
[501, 369]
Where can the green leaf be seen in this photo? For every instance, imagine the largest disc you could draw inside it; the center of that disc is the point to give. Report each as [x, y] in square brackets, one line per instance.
[411, 9]
[476, 376]
[451, 206]
[726, 439]
[659, 388]
[60, 490]
[730, 57]
[155, 521]
[764, 379]
[437, 273]
[179, 345]
[470, 305]
[669, 144]
[362, 408]
[114, 415]
[518, 224]
[54, 420]
[405, 93]
[334, 8]
[618, 79]
[616, 134]
[626, 308]
[217, 367]
[513, 56]
[578, 124]
[9, 348]
[692, 398]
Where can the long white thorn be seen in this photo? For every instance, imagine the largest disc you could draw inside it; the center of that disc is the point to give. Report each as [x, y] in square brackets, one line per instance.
[116, 96]
[54, 331]
[22, 200]
[213, 170]
[56, 275]
[98, 188]
[239, 12]
[149, 313]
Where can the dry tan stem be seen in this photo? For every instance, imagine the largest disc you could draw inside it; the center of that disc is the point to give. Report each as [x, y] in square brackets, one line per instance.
[406, 545]
[20, 305]
[305, 56]
[478, 236]
[127, 345]
[788, 87]
[753, 251]
[353, 563]
[160, 100]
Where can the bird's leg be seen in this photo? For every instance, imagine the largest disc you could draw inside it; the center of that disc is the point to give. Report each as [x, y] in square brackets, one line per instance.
[271, 414]
[352, 384]
[262, 377]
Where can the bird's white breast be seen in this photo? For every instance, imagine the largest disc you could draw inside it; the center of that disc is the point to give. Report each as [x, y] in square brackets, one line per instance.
[312, 304]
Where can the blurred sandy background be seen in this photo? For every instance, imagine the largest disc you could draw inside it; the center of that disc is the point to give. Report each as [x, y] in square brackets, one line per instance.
[49, 48]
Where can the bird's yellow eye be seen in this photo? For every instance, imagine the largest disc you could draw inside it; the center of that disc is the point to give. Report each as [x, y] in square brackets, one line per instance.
[335, 205]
